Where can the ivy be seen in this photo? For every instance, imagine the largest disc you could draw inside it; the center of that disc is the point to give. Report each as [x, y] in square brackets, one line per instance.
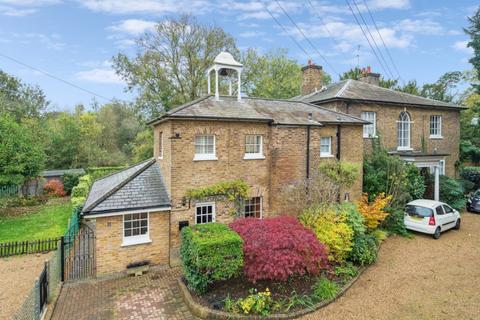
[233, 190]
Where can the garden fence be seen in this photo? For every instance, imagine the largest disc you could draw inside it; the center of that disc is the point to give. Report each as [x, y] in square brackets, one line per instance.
[9, 191]
[26, 247]
[44, 290]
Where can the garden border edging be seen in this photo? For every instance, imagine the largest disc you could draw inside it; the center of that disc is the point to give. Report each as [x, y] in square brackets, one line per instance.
[207, 313]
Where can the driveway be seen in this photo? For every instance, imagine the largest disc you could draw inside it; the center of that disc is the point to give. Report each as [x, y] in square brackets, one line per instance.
[418, 278]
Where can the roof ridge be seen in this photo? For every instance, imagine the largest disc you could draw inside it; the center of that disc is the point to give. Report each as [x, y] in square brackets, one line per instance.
[343, 88]
[124, 169]
[333, 111]
[148, 163]
[180, 108]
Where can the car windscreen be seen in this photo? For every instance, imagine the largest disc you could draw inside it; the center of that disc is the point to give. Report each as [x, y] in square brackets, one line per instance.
[477, 194]
[418, 211]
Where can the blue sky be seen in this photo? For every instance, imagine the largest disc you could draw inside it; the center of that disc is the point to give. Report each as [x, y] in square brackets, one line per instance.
[75, 40]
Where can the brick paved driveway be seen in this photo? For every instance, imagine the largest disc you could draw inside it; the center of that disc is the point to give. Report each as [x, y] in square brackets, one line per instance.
[152, 296]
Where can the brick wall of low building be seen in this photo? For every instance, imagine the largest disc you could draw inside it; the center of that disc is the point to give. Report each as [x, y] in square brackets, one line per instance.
[111, 257]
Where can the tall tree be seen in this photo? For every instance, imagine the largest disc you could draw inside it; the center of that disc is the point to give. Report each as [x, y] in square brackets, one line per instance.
[473, 30]
[170, 66]
[443, 88]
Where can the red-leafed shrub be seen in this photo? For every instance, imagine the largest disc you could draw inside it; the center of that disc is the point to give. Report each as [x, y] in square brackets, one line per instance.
[54, 188]
[277, 248]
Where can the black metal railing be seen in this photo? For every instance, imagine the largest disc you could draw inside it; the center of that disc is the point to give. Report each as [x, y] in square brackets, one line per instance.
[28, 246]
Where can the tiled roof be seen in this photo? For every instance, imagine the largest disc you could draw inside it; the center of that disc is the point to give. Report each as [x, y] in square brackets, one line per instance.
[362, 91]
[138, 187]
[285, 112]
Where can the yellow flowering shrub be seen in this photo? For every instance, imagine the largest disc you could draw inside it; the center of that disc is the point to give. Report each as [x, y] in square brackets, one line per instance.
[331, 229]
[255, 303]
[373, 212]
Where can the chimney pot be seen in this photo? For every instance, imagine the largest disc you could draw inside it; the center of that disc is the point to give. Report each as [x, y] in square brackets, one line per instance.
[370, 77]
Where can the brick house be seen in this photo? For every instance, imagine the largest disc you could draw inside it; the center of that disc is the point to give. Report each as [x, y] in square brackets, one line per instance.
[269, 143]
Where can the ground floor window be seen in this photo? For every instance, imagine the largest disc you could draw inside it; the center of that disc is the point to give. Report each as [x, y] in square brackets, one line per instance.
[204, 212]
[135, 228]
[253, 207]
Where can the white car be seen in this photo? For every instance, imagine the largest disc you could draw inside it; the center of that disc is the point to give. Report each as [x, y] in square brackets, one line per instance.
[432, 217]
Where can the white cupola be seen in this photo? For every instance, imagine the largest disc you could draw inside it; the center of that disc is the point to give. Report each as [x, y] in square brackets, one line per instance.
[224, 65]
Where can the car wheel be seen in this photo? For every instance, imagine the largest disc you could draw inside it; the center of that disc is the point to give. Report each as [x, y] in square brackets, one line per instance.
[457, 224]
[436, 235]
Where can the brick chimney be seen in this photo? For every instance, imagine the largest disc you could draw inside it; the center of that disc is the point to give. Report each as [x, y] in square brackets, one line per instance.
[369, 77]
[312, 78]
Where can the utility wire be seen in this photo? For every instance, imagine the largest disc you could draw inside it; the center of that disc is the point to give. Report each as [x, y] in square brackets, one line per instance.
[306, 38]
[315, 11]
[55, 77]
[373, 39]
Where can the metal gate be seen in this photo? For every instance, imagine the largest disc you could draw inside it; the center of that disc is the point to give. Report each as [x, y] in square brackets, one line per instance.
[43, 287]
[78, 250]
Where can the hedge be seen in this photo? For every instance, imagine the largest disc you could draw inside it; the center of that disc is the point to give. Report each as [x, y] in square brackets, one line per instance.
[210, 252]
[80, 191]
[99, 172]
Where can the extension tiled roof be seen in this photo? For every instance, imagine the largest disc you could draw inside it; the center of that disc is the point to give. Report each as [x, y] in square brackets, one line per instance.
[284, 112]
[355, 90]
[138, 187]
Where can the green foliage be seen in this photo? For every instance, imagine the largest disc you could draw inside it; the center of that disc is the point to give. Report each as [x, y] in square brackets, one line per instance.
[452, 192]
[231, 189]
[143, 145]
[415, 182]
[70, 180]
[331, 229]
[346, 271]
[325, 289]
[379, 235]
[260, 303]
[28, 201]
[353, 217]
[21, 156]
[96, 173]
[394, 222]
[473, 30]
[342, 173]
[80, 191]
[364, 250]
[210, 252]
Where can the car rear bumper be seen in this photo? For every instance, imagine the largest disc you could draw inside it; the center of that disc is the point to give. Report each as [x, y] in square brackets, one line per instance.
[420, 228]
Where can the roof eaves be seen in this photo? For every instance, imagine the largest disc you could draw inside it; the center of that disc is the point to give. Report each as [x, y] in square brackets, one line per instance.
[91, 213]
[179, 108]
[119, 186]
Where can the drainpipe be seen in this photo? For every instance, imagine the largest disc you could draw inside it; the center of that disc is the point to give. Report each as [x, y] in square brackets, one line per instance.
[339, 138]
[308, 152]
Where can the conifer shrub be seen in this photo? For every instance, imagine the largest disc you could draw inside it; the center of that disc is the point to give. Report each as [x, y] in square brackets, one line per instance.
[279, 247]
[210, 252]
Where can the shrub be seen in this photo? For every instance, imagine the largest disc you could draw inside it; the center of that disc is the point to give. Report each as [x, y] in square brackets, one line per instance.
[364, 250]
[325, 289]
[373, 211]
[451, 192]
[353, 217]
[210, 252]
[86, 179]
[471, 174]
[279, 247]
[394, 222]
[80, 190]
[331, 228]
[232, 190]
[54, 188]
[70, 180]
[379, 235]
[346, 271]
[99, 172]
[78, 201]
[255, 303]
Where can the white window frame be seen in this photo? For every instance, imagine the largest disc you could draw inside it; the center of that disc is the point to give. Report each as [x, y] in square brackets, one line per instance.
[160, 141]
[205, 156]
[441, 167]
[138, 239]
[204, 204]
[254, 155]
[261, 206]
[437, 126]
[367, 116]
[329, 153]
[404, 131]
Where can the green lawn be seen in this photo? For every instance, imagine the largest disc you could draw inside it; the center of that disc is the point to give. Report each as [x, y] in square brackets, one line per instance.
[49, 222]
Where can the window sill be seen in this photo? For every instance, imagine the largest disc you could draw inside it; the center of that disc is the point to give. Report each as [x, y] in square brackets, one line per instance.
[404, 149]
[253, 157]
[435, 137]
[160, 158]
[135, 241]
[326, 155]
[204, 158]
[370, 137]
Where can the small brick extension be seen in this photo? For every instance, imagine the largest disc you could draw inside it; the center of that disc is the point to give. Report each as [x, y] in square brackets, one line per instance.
[152, 296]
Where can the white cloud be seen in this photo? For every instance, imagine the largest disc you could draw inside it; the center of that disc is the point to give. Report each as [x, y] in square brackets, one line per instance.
[21, 8]
[388, 4]
[50, 41]
[420, 26]
[147, 6]
[99, 75]
[251, 34]
[133, 26]
[462, 47]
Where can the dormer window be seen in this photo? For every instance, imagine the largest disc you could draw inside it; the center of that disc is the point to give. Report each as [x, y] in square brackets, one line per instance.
[204, 148]
[254, 147]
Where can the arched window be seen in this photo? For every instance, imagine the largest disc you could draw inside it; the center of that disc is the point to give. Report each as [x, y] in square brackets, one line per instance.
[403, 131]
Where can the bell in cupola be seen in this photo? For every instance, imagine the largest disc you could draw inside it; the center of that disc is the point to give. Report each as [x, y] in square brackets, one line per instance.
[226, 66]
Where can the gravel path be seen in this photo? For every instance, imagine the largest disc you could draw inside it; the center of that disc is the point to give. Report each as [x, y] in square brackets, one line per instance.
[17, 276]
[418, 278]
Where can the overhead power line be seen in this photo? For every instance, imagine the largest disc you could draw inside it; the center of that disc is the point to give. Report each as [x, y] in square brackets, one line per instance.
[56, 78]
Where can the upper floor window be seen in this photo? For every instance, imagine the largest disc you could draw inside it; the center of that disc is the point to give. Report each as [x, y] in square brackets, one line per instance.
[403, 131]
[325, 146]
[253, 146]
[204, 212]
[369, 130]
[253, 207]
[435, 126]
[205, 147]
[160, 145]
